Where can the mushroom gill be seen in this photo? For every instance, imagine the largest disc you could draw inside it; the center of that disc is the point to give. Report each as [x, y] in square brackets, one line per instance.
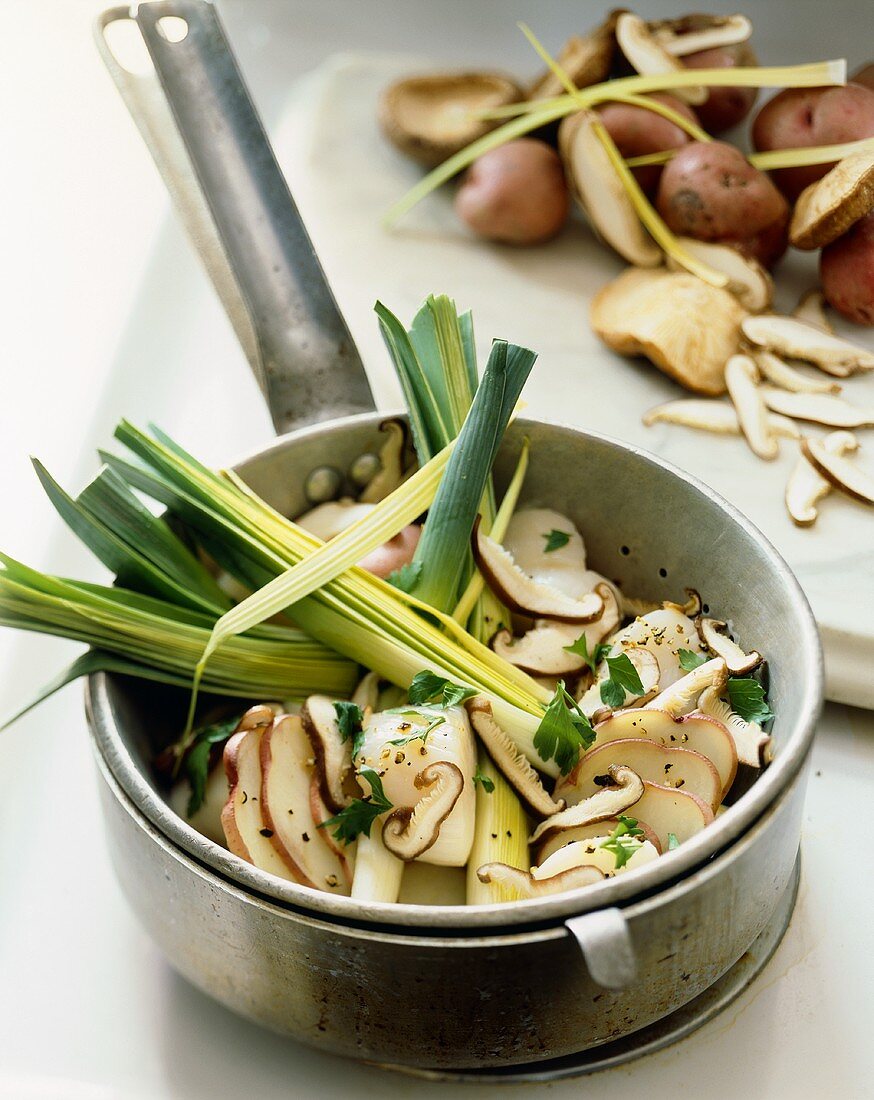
[507, 757]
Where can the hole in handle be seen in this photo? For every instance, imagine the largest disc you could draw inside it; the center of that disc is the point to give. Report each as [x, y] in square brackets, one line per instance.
[173, 28]
[122, 40]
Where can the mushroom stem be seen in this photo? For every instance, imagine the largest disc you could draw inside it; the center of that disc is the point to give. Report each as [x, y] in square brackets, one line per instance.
[526, 886]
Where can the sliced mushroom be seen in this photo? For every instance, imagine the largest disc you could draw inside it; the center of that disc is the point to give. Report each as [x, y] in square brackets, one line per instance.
[713, 416]
[820, 408]
[664, 809]
[599, 828]
[690, 731]
[741, 378]
[527, 886]
[521, 593]
[563, 567]
[649, 57]
[391, 463]
[431, 117]
[682, 324]
[682, 696]
[806, 488]
[751, 743]
[507, 757]
[328, 520]
[796, 339]
[647, 668]
[840, 472]
[599, 189]
[664, 633]
[829, 206]
[332, 754]
[778, 372]
[593, 853]
[627, 788]
[713, 634]
[811, 310]
[543, 650]
[585, 58]
[696, 32]
[679, 768]
[409, 832]
[691, 608]
[748, 281]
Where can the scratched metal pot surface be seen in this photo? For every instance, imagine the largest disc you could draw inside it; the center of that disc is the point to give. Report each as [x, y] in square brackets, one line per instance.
[433, 987]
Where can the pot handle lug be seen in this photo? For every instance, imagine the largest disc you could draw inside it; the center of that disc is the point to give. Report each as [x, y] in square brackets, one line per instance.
[605, 942]
[207, 140]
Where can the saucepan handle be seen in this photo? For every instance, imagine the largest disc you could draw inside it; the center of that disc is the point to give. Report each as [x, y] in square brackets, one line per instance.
[207, 139]
[605, 942]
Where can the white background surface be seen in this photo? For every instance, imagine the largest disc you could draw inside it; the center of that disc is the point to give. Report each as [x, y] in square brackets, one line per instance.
[106, 313]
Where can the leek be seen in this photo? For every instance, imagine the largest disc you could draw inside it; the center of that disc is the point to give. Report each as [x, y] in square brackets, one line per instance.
[502, 829]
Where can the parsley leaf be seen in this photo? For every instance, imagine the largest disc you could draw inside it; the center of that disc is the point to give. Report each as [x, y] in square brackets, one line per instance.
[672, 842]
[423, 731]
[407, 577]
[564, 731]
[624, 679]
[349, 722]
[747, 698]
[487, 784]
[555, 540]
[623, 842]
[428, 687]
[197, 759]
[359, 816]
[689, 661]
[581, 648]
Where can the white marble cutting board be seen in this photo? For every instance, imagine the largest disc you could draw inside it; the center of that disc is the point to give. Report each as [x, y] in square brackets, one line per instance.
[344, 176]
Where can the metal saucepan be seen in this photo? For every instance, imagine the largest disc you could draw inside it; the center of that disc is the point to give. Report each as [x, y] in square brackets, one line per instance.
[442, 988]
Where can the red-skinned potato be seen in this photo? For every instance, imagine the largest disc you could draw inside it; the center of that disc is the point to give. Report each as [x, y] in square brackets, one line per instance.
[799, 118]
[637, 131]
[393, 554]
[846, 270]
[515, 194]
[724, 107]
[710, 191]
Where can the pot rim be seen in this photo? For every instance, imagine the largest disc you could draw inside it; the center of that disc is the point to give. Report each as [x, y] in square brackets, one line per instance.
[736, 820]
[528, 932]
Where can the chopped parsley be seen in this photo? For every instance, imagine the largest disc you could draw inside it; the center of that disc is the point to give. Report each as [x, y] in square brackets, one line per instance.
[407, 577]
[581, 649]
[423, 732]
[624, 841]
[358, 817]
[623, 679]
[349, 722]
[197, 759]
[672, 842]
[747, 698]
[428, 687]
[487, 784]
[689, 661]
[564, 731]
[555, 540]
